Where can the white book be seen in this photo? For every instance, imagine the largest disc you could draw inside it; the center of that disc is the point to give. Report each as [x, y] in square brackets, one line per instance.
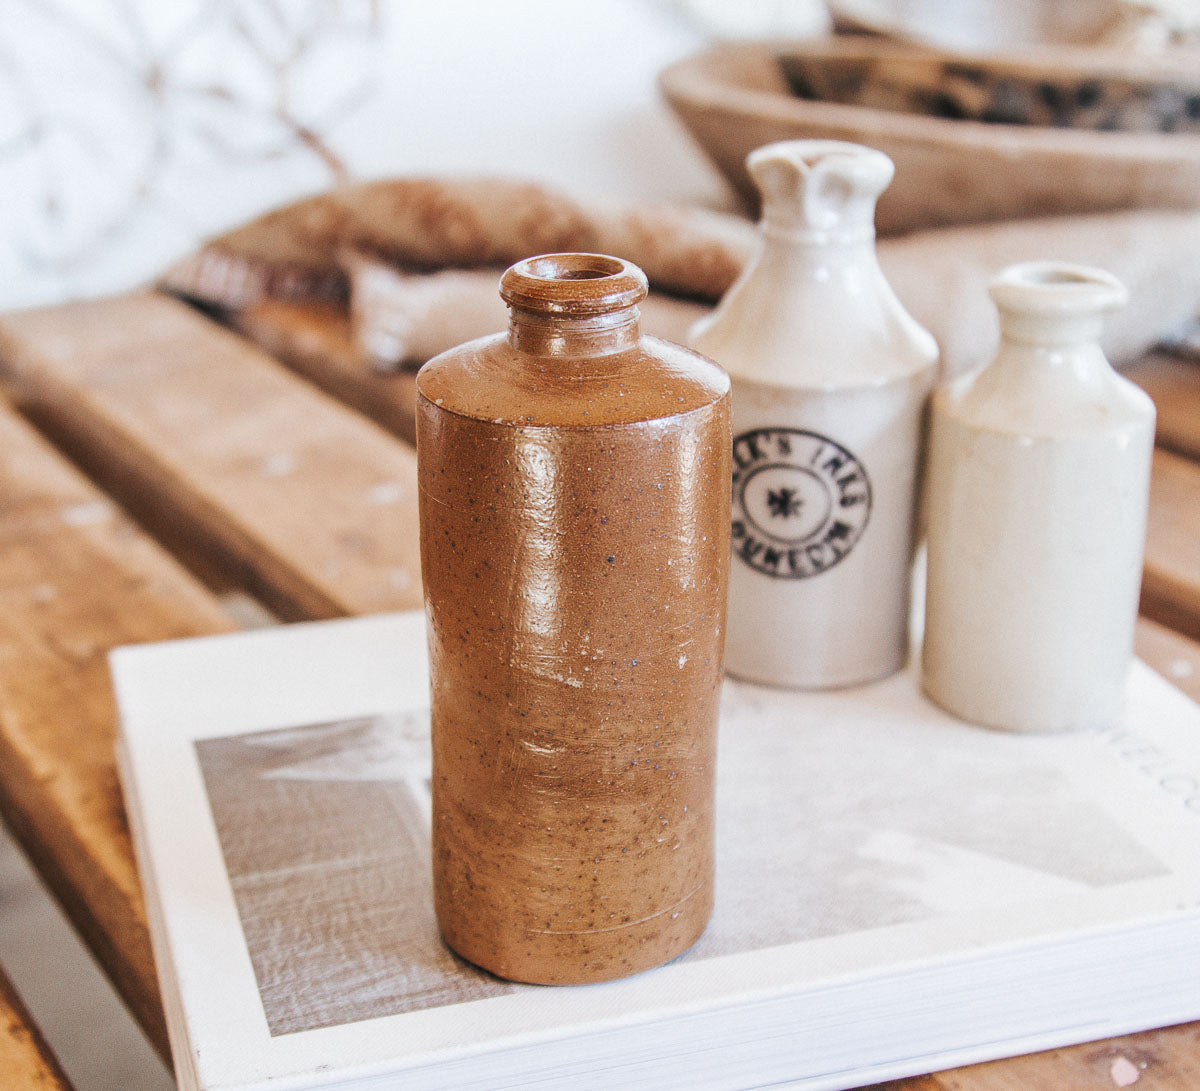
[897, 892]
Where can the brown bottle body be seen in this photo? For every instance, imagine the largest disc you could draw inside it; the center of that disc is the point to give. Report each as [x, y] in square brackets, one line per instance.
[574, 513]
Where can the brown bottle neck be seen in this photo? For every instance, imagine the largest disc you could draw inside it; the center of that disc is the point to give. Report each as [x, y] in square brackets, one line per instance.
[541, 334]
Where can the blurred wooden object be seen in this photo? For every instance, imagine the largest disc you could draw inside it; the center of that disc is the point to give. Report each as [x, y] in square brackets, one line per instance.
[1156, 1060]
[735, 97]
[1171, 581]
[1174, 384]
[316, 341]
[1103, 91]
[25, 1060]
[1175, 656]
[184, 423]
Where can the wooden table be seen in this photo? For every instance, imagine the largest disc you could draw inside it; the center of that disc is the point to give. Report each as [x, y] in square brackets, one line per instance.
[160, 472]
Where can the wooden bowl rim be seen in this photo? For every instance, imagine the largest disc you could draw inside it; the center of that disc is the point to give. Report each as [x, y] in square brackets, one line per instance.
[703, 79]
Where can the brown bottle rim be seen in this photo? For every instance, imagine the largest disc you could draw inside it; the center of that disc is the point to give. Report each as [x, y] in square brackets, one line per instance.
[573, 284]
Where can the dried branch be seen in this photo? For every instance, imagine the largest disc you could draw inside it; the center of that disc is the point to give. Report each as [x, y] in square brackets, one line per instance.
[280, 38]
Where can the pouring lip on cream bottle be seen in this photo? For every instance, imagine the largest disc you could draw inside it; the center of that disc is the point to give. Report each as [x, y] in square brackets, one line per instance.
[830, 377]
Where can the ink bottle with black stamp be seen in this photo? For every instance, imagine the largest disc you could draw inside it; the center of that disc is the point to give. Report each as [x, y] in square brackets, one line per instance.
[830, 381]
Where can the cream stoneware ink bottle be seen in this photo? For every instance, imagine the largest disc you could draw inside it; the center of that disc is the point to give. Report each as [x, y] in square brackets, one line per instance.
[574, 509]
[830, 381]
[1038, 485]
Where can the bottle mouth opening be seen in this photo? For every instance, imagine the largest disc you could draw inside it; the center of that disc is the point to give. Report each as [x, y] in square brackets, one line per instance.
[1053, 288]
[573, 266]
[1054, 275]
[573, 284]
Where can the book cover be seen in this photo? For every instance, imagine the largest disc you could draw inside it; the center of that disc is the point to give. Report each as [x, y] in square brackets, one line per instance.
[896, 891]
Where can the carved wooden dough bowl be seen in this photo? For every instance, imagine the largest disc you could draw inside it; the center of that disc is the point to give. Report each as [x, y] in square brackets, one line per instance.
[735, 98]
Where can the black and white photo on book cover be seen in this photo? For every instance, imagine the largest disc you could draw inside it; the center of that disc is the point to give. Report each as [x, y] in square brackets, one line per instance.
[859, 833]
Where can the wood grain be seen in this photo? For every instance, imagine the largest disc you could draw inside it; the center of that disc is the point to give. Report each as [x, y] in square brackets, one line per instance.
[1155, 1060]
[310, 508]
[1174, 384]
[315, 340]
[76, 579]
[1171, 578]
[26, 1062]
[1175, 656]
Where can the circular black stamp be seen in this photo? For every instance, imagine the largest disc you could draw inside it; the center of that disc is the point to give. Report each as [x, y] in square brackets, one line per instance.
[800, 501]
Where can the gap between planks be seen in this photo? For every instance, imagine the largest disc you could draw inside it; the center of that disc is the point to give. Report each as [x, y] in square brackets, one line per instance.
[311, 508]
[78, 578]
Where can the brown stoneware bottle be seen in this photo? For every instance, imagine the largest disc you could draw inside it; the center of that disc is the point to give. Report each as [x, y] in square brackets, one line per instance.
[574, 481]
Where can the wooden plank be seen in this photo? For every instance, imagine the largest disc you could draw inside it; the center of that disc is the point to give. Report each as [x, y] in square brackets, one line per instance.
[1171, 578]
[1175, 656]
[311, 508]
[26, 1061]
[76, 579]
[1174, 384]
[315, 340]
[1156, 1060]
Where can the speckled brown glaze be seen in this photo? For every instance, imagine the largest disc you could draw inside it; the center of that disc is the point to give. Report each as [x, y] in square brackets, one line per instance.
[574, 543]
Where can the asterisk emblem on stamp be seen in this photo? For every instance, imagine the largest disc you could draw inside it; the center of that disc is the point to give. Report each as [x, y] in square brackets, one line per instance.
[784, 502]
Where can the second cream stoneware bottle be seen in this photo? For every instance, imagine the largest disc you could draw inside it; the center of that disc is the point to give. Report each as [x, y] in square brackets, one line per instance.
[1038, 483]
[574, 550]
[830, 381]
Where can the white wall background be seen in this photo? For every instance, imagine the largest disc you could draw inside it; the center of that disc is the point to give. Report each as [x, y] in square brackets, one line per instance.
[131, 129]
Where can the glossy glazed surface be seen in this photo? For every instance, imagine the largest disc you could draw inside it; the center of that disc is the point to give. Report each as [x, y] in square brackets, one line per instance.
[574, 533]
[1038, 482]
[830, 382]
